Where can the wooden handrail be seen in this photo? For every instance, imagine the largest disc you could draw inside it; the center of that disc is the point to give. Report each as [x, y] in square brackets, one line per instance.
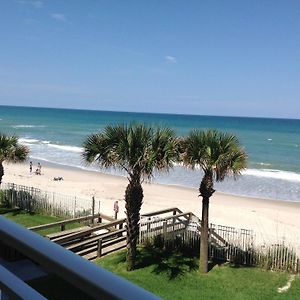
[87, 231]
[103, 216]
[186, 215]
[106, 217]
[163, 211]
[218, 237]
[95, 238]
[69, 221]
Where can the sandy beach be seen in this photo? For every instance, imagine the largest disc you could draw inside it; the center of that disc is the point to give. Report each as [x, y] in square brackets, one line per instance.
[269, 218]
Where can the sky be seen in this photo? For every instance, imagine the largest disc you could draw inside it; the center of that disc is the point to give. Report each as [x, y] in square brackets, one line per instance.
[233, 58]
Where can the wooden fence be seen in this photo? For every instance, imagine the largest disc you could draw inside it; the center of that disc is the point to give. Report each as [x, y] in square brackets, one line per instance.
[231, 244]
[238, 246]
[167, 227]
[36, 200]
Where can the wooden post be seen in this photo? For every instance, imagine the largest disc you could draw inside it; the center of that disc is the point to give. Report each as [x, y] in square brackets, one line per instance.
[99, 249]
[93, 209]
[32, 199]
[99, 219]
[74, 211]
[53, 208]
[13, 195]
[62, 227]
[165, 229]
[148, 225]
[174, 214]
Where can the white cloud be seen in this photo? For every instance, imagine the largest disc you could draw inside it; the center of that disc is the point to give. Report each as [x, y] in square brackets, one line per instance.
[58, 16]
[170, 59]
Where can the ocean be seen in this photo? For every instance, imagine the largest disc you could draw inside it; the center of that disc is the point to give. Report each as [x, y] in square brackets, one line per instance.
[273, 145]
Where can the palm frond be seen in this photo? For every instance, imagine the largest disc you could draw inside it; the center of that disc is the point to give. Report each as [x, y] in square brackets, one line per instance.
[214, 151]
[11, 150]
[136, 148]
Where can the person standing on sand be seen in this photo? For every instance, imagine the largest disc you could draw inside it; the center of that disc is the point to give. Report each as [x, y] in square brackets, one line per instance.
[30, 167]
[39, 169]
[116, 209]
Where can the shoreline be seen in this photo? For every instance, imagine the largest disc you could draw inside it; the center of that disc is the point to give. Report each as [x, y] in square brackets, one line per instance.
[82, 169]
[269, 218]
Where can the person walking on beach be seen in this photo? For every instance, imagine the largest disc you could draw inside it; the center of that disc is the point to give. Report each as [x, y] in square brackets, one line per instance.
[30, 167]
[116, 209]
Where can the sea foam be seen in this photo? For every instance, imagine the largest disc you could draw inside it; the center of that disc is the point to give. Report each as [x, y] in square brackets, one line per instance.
[276, 174]
[66, 148]
[28, 140]
[27, 126]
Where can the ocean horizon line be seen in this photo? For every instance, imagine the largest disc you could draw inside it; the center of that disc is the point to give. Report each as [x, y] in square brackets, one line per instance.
[151, 113]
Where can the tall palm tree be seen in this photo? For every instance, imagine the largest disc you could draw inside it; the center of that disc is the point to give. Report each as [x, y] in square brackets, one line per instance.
[139, 150]
[218, 155]
[11, 151]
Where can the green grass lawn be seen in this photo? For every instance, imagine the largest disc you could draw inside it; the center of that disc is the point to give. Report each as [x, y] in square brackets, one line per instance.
[171, 275]
[27, 219]
[176, 277]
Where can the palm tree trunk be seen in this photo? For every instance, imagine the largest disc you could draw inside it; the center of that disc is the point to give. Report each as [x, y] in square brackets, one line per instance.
[133, 197]
[203, 263]
[1, 171]
[206, 190]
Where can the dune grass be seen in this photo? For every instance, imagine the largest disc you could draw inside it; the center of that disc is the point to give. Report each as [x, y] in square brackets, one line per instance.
[175, 276]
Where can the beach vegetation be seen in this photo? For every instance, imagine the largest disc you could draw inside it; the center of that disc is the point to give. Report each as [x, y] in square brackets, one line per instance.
[171, 273]
[158, 273]
[11, 151]
[278, 257]
[218, 155]
[139, 150]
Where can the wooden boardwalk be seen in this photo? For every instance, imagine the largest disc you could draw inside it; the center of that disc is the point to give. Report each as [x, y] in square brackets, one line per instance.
[97, 239]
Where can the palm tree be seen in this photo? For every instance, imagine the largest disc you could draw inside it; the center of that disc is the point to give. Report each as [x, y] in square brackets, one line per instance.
[11, 151]
[218, 155]
[139, 150]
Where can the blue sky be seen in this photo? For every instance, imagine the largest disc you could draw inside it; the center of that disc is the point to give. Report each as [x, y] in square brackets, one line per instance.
[197, 57]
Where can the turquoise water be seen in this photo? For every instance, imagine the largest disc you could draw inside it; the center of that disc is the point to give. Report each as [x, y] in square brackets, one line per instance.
[273, 145]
